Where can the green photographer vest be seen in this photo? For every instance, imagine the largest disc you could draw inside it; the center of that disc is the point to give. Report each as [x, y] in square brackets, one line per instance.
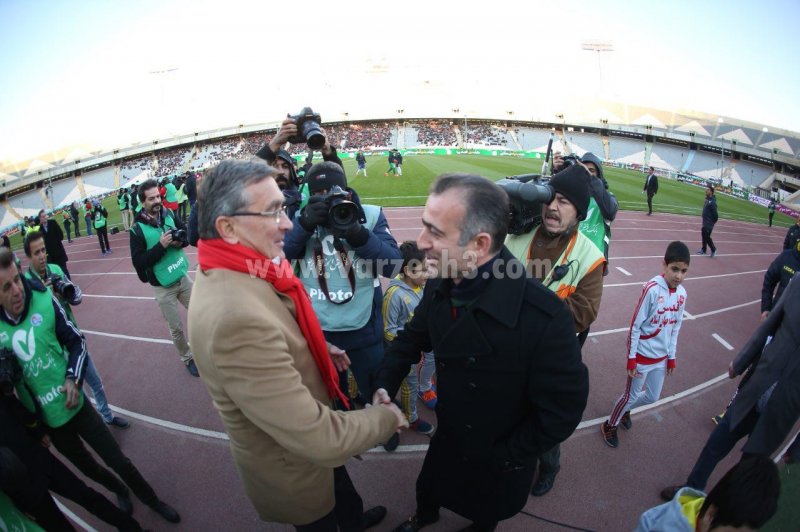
[355, 313]
[99, 220]
[174, 264]
[53, 269]
[594, 226]
[43, 360]
[123, 201]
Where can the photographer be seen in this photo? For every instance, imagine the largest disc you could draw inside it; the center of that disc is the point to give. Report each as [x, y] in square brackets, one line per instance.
[339, 272]
[157, 239]
[51, 276]
[568, 263]
[53, 237]
[100, 222]
[124, 202]
[53, 363]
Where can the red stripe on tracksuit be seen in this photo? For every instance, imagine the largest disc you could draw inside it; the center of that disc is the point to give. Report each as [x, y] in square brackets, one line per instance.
[647, 287]
[616, 413]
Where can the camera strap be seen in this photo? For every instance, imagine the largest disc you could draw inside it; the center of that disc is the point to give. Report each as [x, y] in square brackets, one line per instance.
[322, 276]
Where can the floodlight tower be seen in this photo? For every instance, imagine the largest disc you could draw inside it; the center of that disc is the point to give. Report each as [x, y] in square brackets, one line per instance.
[161, 76]
[599, 47]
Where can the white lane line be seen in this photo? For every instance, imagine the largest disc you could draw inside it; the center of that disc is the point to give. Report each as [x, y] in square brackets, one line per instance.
[721, 340]
[687, 316]
[771, 254]
[640, 283]
[126, 337]
[72, 517]
[119, 297]
[170, 425]
[665, 400]
[626, 272]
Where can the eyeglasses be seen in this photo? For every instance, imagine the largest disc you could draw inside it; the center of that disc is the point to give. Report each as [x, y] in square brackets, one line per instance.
[276, 214]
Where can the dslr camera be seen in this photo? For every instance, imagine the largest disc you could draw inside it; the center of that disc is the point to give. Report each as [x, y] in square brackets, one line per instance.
[526, 193]
[308, 129]
[569, 160]
[342, 213]
[63, 287]
[178, 235]
[10, 371]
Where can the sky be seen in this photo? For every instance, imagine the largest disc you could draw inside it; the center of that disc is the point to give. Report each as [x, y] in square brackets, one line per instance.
[107, 74]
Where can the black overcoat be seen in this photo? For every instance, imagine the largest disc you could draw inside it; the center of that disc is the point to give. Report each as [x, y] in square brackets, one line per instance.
[510, 385]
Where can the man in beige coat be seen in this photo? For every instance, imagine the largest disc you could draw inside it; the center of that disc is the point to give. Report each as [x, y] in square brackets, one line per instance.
[261, 354]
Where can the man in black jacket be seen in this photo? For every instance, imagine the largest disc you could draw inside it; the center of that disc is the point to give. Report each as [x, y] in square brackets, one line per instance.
[792, 236]
[510, 379]
[710, 217]
[779, 273]
[651, 187]
[53, 235]
[159, 259]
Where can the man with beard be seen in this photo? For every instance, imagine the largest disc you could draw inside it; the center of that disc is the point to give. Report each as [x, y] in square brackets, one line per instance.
[159, 260]
[567, 262]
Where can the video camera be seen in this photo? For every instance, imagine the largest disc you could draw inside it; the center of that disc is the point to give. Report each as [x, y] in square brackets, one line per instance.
[63, 287]
[342, 213]
[308, 129]
[10, 371]
[526, 195]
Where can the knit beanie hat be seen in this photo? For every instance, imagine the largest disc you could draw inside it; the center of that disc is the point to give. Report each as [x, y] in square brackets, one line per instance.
[324, 176]
[573, 184]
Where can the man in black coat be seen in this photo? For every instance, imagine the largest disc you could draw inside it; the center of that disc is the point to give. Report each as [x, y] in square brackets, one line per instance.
[510, 380]
[792, 236]
[779, 273]
[651, 187]
[53, 235]
[710, 217]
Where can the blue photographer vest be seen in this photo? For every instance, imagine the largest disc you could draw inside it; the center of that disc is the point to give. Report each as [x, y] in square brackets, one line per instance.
[355, 313]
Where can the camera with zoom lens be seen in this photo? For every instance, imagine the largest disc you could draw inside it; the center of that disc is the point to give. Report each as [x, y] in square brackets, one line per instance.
[308, 129]
[568, 160]
[526, 193]
[63, 287]
[178, 235]
[342, 213]
[10, 371]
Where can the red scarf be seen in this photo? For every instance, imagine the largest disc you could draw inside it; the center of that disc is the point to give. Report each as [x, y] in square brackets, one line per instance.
[217, 253]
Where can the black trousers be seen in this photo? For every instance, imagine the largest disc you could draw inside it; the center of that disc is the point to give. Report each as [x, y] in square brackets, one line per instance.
[67, 229]
[650, 203]
[102, 236]
[77, 227]
[64, 482]
[707, 242]
[87, 426]
[348, 512]
[770, 218]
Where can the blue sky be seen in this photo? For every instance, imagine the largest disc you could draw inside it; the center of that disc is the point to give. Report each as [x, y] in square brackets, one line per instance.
[79, 72]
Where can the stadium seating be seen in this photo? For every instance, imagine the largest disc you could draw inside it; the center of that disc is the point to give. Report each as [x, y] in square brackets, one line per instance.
[98, 181]
[583, 142]
[751, 174]
[533, 139]
[65, 192]
[28, 203]
[626, 150]
[668, 156]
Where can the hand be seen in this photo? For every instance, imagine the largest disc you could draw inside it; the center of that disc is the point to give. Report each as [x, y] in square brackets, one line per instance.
[381, 397]
[45, 441]
[402, 422]
[288, 129]
[356, 235]
[340, 359]
[558, 161]
[731, 371]
[72, 393]
[326, 148]
[165, 240]
[314, 213]
[670, 370]
[764, 315]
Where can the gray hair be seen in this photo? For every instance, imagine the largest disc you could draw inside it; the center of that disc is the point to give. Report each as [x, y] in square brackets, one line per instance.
[486, 207]
[222, 191]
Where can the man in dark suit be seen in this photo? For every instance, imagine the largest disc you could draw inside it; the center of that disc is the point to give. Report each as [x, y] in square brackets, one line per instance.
[53, 235]
[651, 187]
[767, 405]
[510, 379]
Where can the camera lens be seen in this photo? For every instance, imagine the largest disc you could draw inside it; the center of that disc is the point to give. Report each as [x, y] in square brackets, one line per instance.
[343, 214]
[314, 137]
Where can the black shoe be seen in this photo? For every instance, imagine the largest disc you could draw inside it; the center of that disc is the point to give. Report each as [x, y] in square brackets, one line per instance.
[124, 502]
[393, 442]
[626, 420]
[609, 434]
[119, 422]
[414, 523]
[373, 516]
[166, 511]
[543, 484]
[192, 368]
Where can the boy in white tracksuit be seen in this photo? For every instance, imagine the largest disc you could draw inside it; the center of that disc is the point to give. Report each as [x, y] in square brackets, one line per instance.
[652, 339]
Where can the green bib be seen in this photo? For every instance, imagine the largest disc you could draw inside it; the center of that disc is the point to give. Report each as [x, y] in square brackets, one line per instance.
[99, 220]
[594, 227]
[43, 360]
[122, 201]
[174, 264]
[53, 269]
[12, 519]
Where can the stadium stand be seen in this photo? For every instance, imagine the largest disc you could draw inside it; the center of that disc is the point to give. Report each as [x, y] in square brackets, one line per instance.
[751, 174]
[65, 192]
[668, 156]
[703, 162]
[133, 169]
[583, 142]
[99, 181]
[213, 153]
[433, 133]
[6, 218]
[625, 150]
[172, 161]
[28, 203]
[533, 139]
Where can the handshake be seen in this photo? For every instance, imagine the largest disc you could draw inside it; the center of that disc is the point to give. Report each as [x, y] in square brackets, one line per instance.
[381, 398]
